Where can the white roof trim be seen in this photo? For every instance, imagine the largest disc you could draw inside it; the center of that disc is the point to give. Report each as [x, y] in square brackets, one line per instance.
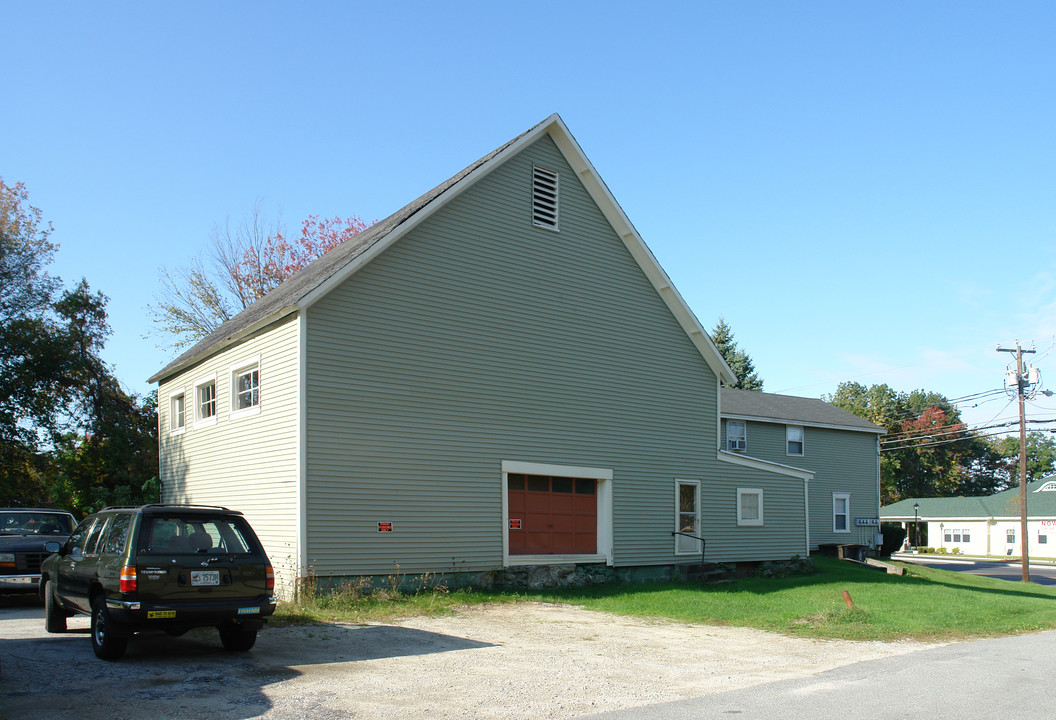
[586, 173]
[757, 464]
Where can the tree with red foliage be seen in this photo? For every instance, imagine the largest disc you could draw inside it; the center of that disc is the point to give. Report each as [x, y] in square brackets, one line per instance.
[927, 451]
[240, 267]
[266, 265]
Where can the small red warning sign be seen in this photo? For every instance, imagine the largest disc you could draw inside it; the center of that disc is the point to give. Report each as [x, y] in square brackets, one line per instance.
[384, 527]
[515, 524]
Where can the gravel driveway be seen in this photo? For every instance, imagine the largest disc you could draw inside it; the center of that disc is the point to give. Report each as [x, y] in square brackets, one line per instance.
[519, 661]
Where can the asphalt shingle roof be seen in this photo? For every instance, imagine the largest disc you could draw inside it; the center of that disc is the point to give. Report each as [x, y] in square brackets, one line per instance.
[799, 410]
[1002, 504]
[286, 297]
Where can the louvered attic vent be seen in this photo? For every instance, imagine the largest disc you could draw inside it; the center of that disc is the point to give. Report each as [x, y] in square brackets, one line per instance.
[544, 197]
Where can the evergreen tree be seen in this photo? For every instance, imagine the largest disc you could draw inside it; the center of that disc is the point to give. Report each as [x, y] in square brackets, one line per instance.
[738, 360]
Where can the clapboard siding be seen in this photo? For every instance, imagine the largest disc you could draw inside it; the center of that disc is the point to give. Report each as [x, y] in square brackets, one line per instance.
[842, 461]
[247, 463]
[478, 338]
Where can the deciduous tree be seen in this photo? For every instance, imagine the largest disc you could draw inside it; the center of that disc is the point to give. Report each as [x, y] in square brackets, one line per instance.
[927, 451]
[1041, 456]
[239, 267]
[55, 389]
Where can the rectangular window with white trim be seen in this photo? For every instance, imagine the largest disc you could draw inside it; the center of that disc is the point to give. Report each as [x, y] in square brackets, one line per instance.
[749, 506]
[205, 401]
[177, 413]
[245, 388]
[841, 512]
[793, 440]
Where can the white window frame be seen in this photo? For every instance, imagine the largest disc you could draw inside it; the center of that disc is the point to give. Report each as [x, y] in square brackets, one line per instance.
[181, 395]
[744, 436]
[604, 476]
[200, 421]
[248, 365]
[802, 441]
[846, 497]
[687, 545]
[749, 522]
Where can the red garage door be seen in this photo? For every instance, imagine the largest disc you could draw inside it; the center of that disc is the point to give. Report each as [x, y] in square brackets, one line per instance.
[552, 515]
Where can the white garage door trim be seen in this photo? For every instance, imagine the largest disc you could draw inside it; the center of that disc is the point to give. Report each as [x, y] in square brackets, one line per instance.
[604, 478]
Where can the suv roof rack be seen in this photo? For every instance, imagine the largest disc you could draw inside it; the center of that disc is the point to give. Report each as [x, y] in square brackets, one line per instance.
[33, 509]
[168, 506]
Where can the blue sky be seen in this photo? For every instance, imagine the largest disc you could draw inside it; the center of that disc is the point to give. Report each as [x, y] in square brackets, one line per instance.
[865, 191]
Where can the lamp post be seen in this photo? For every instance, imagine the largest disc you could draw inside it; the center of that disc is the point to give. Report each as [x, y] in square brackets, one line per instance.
[916, 525]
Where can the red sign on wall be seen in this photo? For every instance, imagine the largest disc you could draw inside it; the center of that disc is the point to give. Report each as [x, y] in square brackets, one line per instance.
[515, 524]
[384, 527]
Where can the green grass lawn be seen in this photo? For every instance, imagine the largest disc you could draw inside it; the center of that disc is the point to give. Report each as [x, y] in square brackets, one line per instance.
[924, 604]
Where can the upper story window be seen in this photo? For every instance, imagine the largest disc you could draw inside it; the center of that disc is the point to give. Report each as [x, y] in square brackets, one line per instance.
[736, 435]
[793, 440]
[205, 401]
[177, 413]
[245, 388]
[544, 197]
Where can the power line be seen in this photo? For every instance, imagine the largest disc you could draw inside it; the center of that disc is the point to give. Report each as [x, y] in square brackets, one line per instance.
[964, 433]
[945, 442]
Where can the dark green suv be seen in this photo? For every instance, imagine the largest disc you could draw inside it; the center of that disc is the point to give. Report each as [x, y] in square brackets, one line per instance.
[160, 567]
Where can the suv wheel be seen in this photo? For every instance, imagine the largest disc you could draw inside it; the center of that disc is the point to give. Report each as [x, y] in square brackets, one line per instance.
[238, 637]
[108, 639]
[54, 617]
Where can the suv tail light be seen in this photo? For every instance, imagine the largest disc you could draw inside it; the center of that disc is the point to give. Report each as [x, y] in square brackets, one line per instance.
[269, 578]
[128, 579]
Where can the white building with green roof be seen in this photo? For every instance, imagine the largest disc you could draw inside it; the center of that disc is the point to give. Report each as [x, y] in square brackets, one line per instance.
[983, 525]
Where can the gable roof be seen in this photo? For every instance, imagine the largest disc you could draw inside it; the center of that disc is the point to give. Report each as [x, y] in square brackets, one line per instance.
[1041, 501]
[304, 288]
[769, 407]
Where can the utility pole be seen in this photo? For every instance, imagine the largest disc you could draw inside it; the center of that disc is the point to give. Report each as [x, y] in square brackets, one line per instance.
[1021, 381]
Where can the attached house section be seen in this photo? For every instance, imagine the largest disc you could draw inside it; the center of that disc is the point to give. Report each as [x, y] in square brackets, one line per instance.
[228, 436]
[838, 448]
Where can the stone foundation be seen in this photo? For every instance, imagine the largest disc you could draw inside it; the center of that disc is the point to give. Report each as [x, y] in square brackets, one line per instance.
[570, 575]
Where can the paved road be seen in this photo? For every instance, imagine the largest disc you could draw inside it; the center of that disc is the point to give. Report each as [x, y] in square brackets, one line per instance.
[984, 679]
[1040, 574]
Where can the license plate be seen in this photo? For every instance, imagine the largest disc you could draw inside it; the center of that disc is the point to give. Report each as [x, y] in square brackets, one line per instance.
[205, 577]
[249, 611]
[158, 614]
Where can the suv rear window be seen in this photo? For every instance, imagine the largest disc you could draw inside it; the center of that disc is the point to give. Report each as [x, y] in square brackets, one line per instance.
[181, 535]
